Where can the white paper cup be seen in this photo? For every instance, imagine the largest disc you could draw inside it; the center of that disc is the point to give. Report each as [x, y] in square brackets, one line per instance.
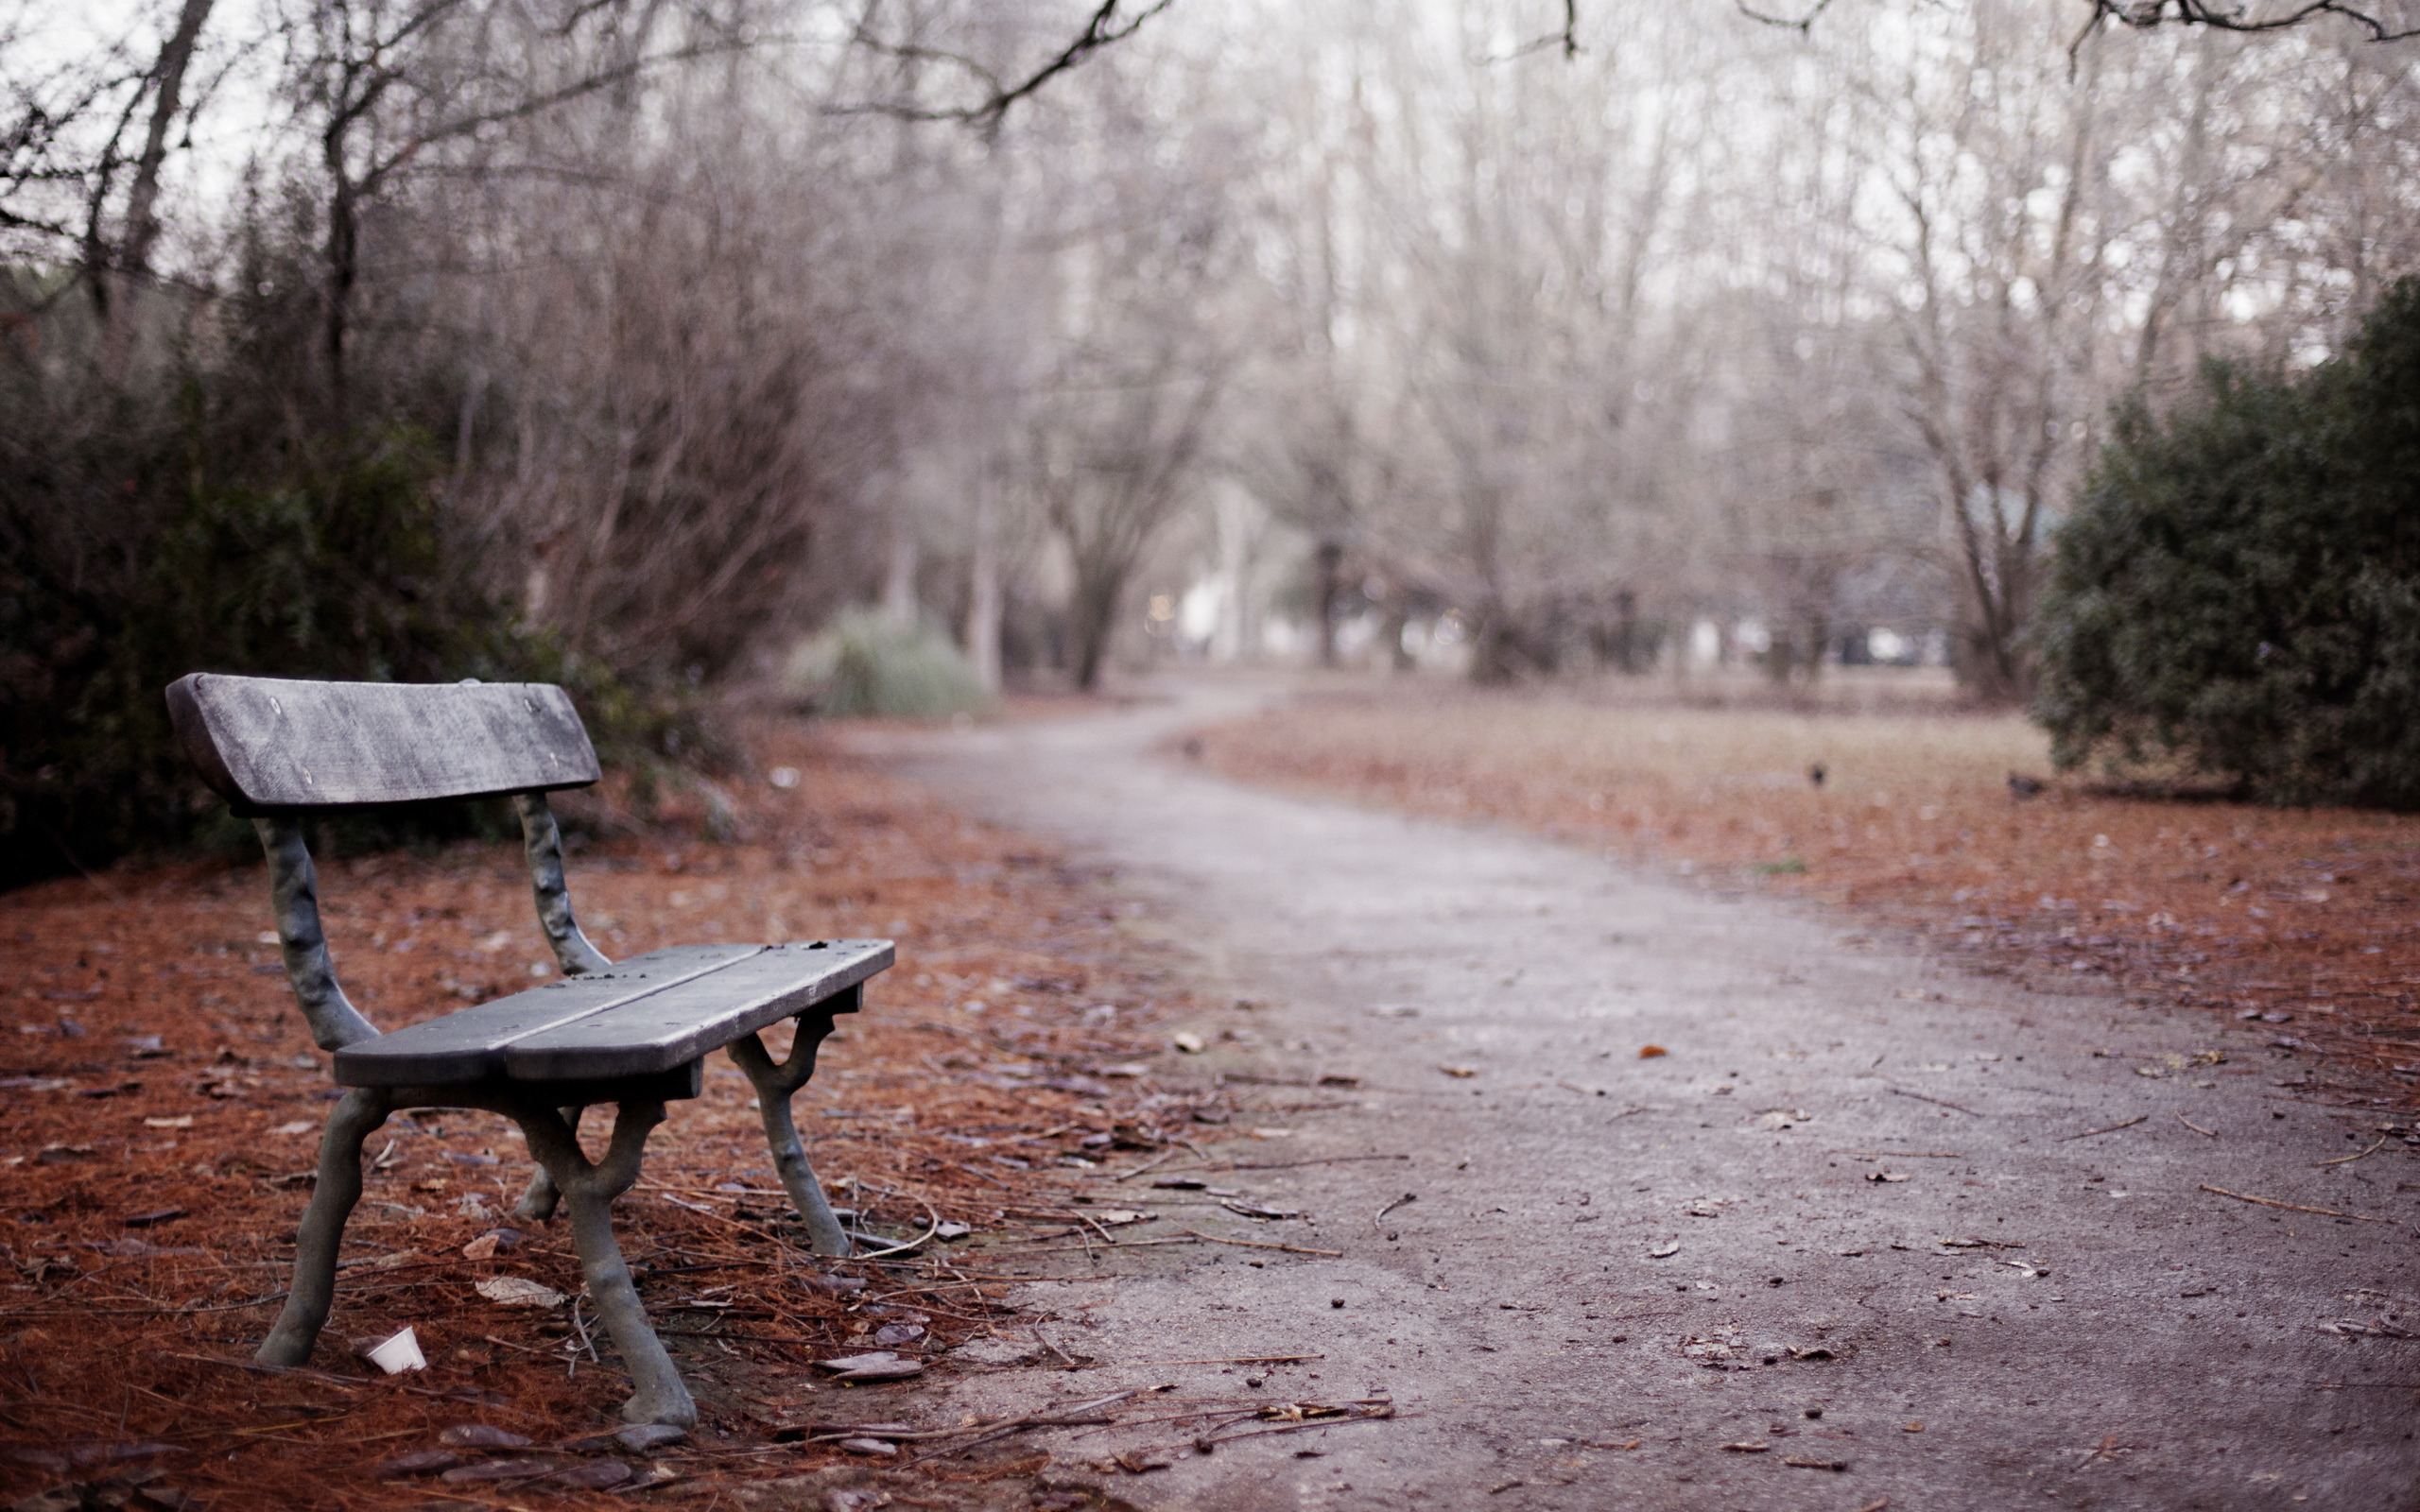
[399, 1355]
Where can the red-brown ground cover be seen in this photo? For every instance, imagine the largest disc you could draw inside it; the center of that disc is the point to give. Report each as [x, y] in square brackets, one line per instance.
[161, 1104]
[2304, 916]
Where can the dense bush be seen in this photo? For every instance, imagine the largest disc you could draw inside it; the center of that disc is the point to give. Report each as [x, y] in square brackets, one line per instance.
[870, 663]
[2238, 594]
[195, 517]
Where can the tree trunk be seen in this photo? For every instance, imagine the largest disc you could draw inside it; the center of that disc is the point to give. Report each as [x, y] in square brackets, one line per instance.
[1395, 614]
[899, 569]
[1095, 613]
[133, 261]
[983, 587]
[1330, 558]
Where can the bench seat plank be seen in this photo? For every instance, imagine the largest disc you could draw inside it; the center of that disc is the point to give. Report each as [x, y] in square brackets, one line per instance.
[470, 1045]
[681, 1022]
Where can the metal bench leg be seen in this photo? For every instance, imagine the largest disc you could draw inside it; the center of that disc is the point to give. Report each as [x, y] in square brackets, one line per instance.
[539, 1198]
[588, 1192]
[774, 1085]
[357, 1113]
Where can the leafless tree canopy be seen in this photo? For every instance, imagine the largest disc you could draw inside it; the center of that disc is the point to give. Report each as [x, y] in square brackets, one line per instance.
[1574, 330]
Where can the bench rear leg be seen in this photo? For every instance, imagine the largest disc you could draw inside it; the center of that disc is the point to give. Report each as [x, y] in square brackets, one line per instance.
[588, 1192]
[539, 1198]
[356, 1115]
[774, 1085]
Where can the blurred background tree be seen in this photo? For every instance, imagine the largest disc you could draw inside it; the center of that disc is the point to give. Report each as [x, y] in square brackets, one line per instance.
[636, 342]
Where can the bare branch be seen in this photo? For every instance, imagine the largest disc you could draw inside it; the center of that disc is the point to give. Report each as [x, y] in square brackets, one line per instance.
[1802, 25]
[1106, 29]
[2145, 14]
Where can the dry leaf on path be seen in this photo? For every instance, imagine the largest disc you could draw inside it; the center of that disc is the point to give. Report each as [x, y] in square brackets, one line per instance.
[516, 1290]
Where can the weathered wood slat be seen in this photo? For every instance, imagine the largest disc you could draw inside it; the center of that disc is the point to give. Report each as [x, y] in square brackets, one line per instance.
[470, 1045]
[684, 1022]
[273, 743]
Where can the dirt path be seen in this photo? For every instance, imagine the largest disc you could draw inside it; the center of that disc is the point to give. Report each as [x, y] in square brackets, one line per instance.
[2098, 1330]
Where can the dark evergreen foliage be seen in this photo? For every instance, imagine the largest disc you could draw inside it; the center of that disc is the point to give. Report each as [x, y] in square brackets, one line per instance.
[2238, 590]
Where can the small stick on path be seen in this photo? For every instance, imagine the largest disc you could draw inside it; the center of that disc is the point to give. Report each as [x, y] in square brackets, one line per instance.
[1937, 1102]
[2347, 1159]
[1160, 1159]
[1906, 1155]
[1408, 1196]
[1260, 1244]
[2111, 1129]
[2296, 1206]
[2206, 1133]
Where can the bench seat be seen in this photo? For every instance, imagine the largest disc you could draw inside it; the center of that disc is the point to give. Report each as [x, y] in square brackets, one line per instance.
[649, 1013]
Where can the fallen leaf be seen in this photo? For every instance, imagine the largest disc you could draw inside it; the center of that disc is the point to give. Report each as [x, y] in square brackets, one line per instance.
[481, 1436]
[1886, 1175]
[525, 1467]
[419, 1462]
[181, 1120]
[1463, 1071]
[1189, 1041]
[516, 1291]
[1651, 1052]
[879, 1366]
[866, 1446]
[1912, 1428]
[1797, 1463]
[1250, 1210]
[1665, 1251]
[300, 1126]
[483, 1247]
[1273, 1133]
[1747, 1448]
[593, 1475]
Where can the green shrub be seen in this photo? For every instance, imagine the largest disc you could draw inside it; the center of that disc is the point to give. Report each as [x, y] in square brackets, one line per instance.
[339, 567]
[2238, 594]
[867, 662]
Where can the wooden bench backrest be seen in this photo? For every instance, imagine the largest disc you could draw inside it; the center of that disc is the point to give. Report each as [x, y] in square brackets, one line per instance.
[267, 744]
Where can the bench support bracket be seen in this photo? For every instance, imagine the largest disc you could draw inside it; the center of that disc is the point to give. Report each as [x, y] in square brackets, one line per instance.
[587, 1191]
[774, 1085]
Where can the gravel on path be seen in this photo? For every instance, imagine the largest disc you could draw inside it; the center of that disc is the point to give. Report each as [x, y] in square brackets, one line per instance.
[1868, 1235]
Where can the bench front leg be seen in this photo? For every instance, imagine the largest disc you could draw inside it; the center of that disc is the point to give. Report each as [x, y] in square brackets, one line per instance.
[357, 1114]
[774, 1085]
[588, 1192]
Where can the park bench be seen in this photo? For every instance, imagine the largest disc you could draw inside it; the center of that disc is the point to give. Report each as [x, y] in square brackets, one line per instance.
[633, 1034]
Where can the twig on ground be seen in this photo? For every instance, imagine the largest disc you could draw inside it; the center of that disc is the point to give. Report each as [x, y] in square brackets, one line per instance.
[1259, 1244]
[1378, 1415]
[1937, 1102]
[2206, 1133]
[1156, 1159]
[2296, 1206]
[1238, 1359]
[1408, 1196]
[1288, 1165]
[1906, 1155]
[2111, 1129]
[2347, 1159]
